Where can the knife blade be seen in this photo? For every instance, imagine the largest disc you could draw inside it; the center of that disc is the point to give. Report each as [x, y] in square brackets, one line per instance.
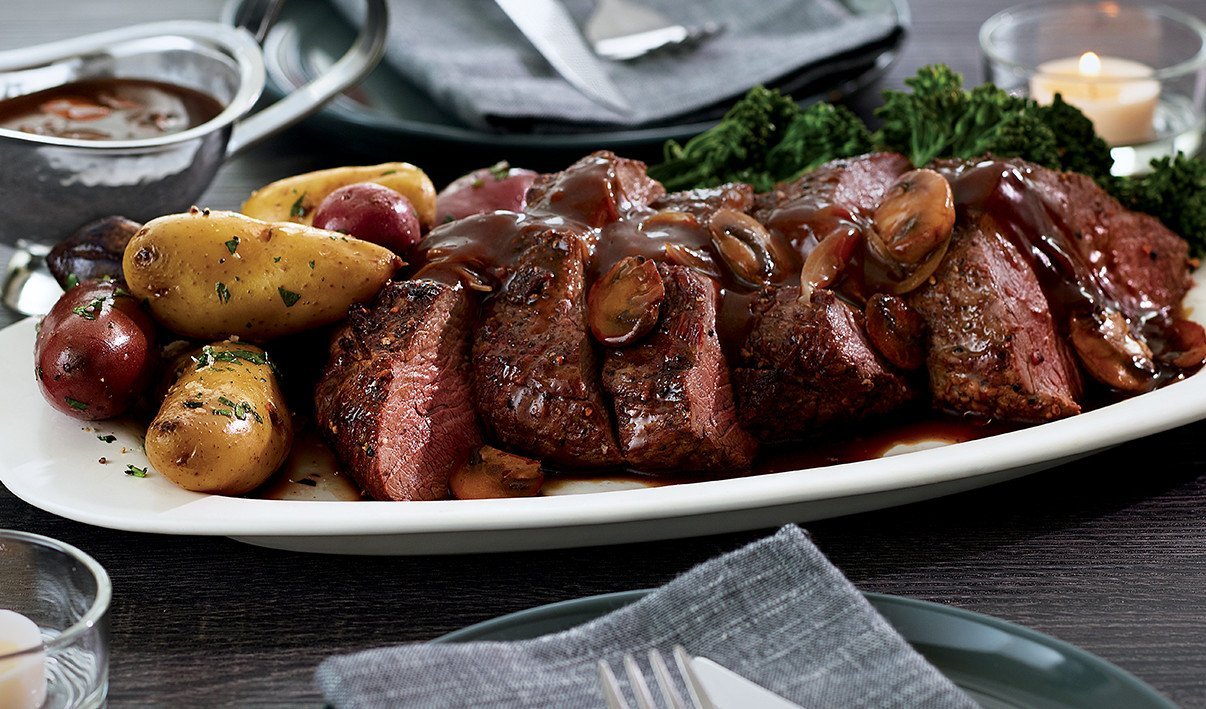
[729, 690]
[551, 30]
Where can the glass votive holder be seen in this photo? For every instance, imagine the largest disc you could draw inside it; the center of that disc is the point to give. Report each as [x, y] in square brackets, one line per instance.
[1137, 70]
[54, 645]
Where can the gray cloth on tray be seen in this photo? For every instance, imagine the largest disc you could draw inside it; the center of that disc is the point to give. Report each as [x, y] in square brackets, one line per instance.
[475, 64]
[775, 611]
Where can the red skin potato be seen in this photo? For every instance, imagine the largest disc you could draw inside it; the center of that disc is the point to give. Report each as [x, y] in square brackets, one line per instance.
[371, 212]
[489, 189]
[95, 352]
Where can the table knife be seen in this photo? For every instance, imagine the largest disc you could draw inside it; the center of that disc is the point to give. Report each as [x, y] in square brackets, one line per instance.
[728, 690]
[549, 27]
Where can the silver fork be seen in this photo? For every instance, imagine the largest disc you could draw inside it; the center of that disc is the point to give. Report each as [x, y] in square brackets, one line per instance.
[663, 679]
[622, 30]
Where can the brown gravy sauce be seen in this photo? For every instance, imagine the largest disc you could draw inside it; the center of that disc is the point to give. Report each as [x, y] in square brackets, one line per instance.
[109, 109]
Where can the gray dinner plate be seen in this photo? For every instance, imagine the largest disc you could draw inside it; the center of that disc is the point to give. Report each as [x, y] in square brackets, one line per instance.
[387, 113]
[998, 663]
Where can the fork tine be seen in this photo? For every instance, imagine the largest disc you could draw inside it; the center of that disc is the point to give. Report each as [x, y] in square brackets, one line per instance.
[665, 681]
[636, 681]
[699, 697]
[611, 687]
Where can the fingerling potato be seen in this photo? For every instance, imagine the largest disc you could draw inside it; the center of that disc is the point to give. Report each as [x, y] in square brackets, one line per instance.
[209, 275]
[296, 198]
[223, 427]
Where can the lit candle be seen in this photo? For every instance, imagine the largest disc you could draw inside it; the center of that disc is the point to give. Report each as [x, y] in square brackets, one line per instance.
[22, 679]
[1118, 95]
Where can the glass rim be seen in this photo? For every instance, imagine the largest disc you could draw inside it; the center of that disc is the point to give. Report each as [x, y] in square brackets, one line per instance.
[90, 617]
[1040, 7]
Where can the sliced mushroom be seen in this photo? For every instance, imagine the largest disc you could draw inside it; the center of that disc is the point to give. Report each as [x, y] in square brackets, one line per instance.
[915, 217]
[826, 263]
[1111, 354]
[624, 305]
[896, 331]
[670, 218]
[745, 246]
[493, 473]
[1188, 342]
[911, 232]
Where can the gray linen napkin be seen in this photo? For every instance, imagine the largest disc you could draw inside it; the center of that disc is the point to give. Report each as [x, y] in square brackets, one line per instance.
[478, 66]
[776, 612]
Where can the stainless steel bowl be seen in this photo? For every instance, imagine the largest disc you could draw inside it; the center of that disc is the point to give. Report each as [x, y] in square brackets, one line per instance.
[49, 186]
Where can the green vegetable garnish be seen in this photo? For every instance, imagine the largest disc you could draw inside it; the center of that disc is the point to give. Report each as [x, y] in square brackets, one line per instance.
[107, 438]
[232, 244]
[135, 471]
[209, 356]
[289, 297]
[72, 281]
[815, 136]
[91, 310]
[298, 210]
[939, 119]
[76, 403]
[500, 170]
[735, 149]
[222, 291]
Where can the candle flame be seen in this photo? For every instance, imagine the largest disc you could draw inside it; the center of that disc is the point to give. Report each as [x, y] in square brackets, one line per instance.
[1090, 64]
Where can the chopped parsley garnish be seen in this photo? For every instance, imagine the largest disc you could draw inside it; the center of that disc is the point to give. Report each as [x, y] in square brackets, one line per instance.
[448, 219]
[193, 404]
[276, 259]
[72, 281]
[245, 409]
[76, 403]
[209, 356]
[388, 172]
[289, 297]
[222, 291]
[91, 310]
[500, 170]
[135, 471]
[311, 265]
[232, 244]
[477, 183]
[298, 210]
[239, 411]
[107, 438]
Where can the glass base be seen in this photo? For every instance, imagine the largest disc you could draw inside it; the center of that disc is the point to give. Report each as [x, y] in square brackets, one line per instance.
[1180, 129]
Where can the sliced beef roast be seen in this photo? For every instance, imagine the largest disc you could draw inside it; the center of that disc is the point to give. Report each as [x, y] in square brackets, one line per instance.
[702, 202]
[395, 398]
[1148, 265]
[850, 186]
[807, 364]
[596, 190]
[673, 401]
[994, 347]
[536, 374]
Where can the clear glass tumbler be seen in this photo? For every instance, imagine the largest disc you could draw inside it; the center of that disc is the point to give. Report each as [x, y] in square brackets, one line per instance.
[65, 593]
[1147, 65]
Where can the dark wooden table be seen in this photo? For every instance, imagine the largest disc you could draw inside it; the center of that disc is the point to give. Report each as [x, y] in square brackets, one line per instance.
[1108, 553]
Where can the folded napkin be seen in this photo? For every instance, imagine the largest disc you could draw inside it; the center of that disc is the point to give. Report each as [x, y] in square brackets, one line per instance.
[478, 66]
[776, 612]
